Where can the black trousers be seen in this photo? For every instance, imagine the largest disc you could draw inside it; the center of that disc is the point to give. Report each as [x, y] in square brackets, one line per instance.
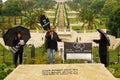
[104, 60]
[16, 55]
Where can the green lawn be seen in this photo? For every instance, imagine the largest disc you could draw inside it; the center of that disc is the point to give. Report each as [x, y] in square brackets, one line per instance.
[51, 19]
[73, 20]
[76, 27]
[72, 14]
[50, 14]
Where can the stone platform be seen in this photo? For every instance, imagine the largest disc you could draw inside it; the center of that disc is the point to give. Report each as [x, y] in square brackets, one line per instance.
[61, 72]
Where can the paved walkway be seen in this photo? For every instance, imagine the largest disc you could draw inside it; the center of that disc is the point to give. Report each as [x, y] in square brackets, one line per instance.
[61, 17]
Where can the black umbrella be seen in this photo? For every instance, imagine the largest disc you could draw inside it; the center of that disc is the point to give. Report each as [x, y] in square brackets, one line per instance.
[105, 36]
[11, 34]
[44, 21]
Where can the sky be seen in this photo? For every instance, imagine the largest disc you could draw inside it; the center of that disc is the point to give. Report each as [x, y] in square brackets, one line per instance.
[4, 0]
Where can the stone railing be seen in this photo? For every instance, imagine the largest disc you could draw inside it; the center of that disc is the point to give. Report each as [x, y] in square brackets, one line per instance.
[37, 31]
[88, 31]
[114, 46]
[63, 31]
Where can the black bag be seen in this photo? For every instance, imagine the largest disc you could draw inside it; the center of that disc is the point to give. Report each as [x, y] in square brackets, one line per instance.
[44, 21]
[14, 49]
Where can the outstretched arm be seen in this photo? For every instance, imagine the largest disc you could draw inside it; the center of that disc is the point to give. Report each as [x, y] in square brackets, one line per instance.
[97, 41]
[58, 39]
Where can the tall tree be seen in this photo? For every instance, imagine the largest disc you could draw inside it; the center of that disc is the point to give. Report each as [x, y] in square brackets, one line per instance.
[114, 22]
[12, 8]
[45, 4]
[73, 5]
[89, 10]
[109, 6]
[1, 7]
[87, 14]
[31, 21]
[30, 5]
[97, 5]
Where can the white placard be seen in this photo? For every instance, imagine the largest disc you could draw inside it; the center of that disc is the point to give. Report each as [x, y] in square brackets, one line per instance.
[85, 56]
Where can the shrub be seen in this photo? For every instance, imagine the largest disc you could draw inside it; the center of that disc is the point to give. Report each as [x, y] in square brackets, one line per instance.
[4, 71]
[33, 61]
[115, 70]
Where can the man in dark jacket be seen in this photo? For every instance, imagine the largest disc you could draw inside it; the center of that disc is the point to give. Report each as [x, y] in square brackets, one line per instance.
[102, 50]
[51, 43]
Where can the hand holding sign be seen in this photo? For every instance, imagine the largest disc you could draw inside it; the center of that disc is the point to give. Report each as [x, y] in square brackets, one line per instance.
[45, 23]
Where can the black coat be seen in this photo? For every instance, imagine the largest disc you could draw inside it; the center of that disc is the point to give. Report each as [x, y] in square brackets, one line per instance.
[15, 43]
[51, 43]
[102, 46]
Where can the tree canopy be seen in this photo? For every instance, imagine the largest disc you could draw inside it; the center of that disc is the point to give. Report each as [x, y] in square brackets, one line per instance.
[12, 8]
[109, 6]
[17, 7]
[114, 22]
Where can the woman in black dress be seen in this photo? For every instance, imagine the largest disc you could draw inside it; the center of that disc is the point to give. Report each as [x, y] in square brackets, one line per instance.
[103, 49]
[18, 42]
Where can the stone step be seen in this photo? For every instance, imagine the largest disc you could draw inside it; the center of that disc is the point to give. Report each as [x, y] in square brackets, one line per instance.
[61, 72]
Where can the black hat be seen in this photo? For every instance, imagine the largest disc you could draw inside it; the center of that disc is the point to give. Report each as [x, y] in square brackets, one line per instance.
[44, 21]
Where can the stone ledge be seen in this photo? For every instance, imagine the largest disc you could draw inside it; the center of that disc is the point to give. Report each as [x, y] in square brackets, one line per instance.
[61, 72]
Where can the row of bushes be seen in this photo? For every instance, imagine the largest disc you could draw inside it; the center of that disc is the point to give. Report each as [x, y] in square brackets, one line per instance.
[56, 12]
[12, 19]
[68, 23]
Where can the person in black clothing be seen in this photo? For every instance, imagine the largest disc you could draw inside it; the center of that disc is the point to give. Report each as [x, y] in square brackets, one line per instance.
[18, 42]
[103, 52]
[51, 43]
